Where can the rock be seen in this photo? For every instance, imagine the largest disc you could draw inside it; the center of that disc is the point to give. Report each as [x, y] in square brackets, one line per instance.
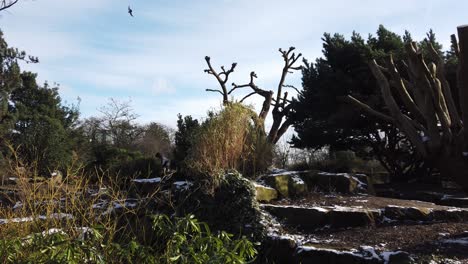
[454, 201]
[399, 213]
[264, 193]
[147, 186]
[341, 217]
[365, 184]
[307, 219]
[308, 254]
[297, 186]
[280, 249]
[398, 257]
[331, 182]
[344, 155]
[280, 182]
[452, 214]
[11, 181]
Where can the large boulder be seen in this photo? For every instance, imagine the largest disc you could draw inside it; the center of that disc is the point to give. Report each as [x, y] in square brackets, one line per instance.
[280, 182]
[265, 193]
[288, 183]
[331, 182]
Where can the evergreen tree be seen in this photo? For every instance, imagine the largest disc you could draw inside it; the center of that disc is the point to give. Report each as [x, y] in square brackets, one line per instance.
[323, 117]
[186, 129]
[43, 131]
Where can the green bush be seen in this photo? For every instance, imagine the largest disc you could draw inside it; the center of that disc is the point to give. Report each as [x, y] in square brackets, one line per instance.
[139, 167]
[232, 207]
[180, 240]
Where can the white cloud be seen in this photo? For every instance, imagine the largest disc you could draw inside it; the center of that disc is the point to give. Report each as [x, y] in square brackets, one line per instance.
[162, 86]
[95, 43]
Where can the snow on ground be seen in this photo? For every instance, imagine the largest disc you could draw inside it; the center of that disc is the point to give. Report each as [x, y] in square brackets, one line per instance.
[150, 180]
[183, 185]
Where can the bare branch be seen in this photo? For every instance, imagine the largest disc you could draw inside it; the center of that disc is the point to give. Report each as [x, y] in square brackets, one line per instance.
[5, 5]
[214, 90]
[247, 96]
[352, 100]
[291, 86]
[222, 81]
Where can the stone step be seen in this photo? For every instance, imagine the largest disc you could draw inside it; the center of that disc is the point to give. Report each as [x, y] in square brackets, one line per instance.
[286, 250]
[334, 217]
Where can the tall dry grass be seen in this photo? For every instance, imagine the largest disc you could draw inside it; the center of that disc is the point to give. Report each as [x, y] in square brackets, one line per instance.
[74, 206]
[229, 140]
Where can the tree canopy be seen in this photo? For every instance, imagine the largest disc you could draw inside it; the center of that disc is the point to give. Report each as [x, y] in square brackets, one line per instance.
[324, 116]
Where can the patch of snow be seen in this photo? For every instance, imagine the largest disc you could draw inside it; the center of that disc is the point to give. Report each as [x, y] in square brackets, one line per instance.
[344, 252]
[59, 216]
[297, 180]
[371, 251]
[320, 209]
[349, 209]
[444, 234]
[17, 205]
[388, 220]
[53, 231]
[459, 241]
[262, 186]
[425, 138]
[13, 179]
[183, 185]
[456, 209]
[361, 201]
[40, 217]
[150, 180]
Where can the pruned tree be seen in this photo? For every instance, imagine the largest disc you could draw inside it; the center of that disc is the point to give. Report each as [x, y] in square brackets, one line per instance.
[421, 104]
[280, 102]
[4, 4]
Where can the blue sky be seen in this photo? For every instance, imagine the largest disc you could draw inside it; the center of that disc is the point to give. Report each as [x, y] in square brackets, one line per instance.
[95, 50]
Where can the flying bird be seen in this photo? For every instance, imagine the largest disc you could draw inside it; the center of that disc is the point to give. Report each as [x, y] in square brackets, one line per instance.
[130, 11]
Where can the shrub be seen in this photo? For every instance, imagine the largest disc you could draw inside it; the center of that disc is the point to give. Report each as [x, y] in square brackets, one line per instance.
[229, 140]
[75, 222]
[232, 207]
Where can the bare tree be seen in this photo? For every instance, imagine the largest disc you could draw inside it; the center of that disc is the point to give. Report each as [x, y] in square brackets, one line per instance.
[117, 123]
[280, 102]
[4, 4]
[424, 107]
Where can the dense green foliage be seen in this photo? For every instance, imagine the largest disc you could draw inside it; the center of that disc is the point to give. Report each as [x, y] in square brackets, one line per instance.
[322, 116]
[231, 207]
[180, 240]
[40, 109]
[184, 136]
[33, 118]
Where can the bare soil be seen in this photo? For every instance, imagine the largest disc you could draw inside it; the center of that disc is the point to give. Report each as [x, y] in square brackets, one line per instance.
[421, 240]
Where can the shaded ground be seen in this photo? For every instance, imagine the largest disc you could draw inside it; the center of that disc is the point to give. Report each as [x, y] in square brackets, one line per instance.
[417, 239]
